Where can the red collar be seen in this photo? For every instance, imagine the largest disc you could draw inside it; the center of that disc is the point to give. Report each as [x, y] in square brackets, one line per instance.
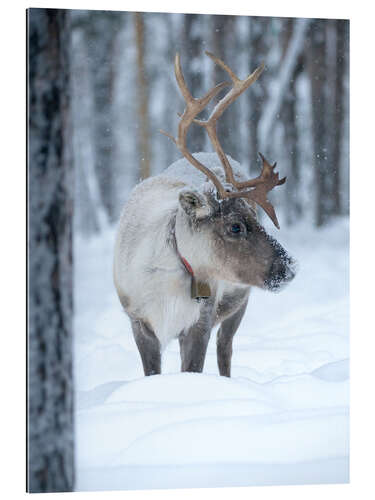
[186, 264]
[199, 290]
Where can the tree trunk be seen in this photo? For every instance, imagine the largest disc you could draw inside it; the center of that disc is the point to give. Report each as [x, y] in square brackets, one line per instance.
[341, 34]
[288, 112]
[143, 113]
[50, 187]
[256, 93]
[316, 51]
[281, 81]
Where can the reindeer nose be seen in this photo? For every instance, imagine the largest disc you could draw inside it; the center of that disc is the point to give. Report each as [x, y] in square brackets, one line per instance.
[282, 271]
[282, 266]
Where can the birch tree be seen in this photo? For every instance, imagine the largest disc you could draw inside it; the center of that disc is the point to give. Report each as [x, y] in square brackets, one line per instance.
[280, 86]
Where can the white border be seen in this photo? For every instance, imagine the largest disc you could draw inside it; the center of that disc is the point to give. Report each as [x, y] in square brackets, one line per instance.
[12, 226]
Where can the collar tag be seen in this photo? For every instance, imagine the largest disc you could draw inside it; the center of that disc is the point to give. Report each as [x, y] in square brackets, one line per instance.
[199, 289]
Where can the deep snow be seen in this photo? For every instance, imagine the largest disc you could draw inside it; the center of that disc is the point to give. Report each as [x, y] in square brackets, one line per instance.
[283, 417]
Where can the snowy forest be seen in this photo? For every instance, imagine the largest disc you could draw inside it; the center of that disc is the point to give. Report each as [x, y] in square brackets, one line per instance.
[101, 85]
[124, 91]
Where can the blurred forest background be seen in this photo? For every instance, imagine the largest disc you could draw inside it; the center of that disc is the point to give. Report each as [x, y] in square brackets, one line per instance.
[100, 86]
[124, 91]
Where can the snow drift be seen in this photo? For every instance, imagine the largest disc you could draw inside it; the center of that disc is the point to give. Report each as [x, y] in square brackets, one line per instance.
[283, 417]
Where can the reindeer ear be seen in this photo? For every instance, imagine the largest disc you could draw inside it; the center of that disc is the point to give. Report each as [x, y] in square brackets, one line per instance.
[194, 204]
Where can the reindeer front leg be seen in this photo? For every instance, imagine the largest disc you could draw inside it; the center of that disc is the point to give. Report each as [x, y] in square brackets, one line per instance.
[224, 340]
[148, 347]
[193, 345]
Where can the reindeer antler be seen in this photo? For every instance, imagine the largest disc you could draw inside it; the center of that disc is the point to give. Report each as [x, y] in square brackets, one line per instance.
[193, 108]
[268, 179]
[262, 184]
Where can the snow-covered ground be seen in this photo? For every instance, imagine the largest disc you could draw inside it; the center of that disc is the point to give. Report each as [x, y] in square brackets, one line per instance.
[283, 417]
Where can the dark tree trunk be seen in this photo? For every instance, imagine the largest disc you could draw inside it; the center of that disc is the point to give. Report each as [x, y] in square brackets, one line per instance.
[142, 94]
[50, 187]
[326, 49]
[341, 53]
[288, 111]
[331, 125]
[256, 94]
[316, 50]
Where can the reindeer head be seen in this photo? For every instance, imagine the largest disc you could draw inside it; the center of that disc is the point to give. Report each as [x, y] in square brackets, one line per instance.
[223, 234]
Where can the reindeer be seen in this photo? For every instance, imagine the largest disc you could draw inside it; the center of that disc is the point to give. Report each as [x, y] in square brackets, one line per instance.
[189, 246]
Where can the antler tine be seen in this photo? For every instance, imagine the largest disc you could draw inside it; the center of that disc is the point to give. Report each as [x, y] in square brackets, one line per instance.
[239, 86]
[222, 64]
[193, 108]
[203, 101]
[267, 180]
[181, 80]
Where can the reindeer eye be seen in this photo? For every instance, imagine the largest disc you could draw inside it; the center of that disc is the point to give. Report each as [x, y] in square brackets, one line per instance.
[236, 228]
